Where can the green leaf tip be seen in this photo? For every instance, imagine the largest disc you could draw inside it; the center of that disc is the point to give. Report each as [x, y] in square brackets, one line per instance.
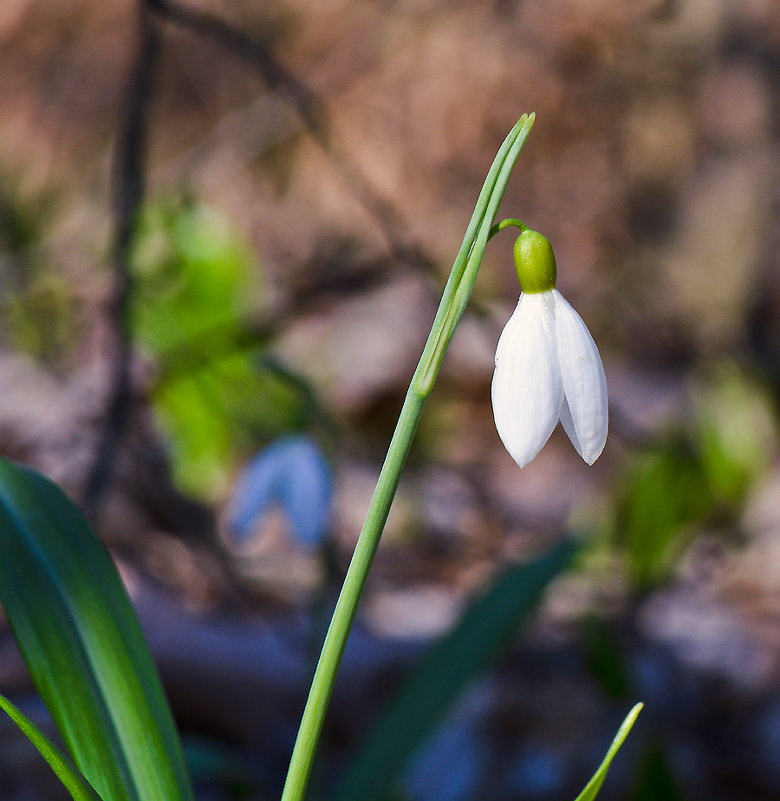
[78, 787]
[594, 785]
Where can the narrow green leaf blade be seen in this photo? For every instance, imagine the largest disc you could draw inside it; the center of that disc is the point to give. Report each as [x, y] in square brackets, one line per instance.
[78, 787]
[594, 785]
[81, 640]
[485, 627]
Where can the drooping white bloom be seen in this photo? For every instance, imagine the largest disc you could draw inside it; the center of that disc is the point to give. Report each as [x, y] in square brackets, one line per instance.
[548, 369]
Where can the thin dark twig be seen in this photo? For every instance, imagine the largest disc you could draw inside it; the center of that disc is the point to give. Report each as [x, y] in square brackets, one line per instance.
[127, 195]
[312, 110]
[234, 40]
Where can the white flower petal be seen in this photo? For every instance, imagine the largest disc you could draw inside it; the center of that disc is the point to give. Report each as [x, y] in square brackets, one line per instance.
[568, 426]
[584, 414]
[527, 389]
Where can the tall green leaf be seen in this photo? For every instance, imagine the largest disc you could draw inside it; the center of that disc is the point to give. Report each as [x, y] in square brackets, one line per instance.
[78, 787]
[458, 657]
[81, 640]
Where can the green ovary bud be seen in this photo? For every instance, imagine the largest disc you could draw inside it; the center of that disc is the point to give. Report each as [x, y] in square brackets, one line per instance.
[534, 262]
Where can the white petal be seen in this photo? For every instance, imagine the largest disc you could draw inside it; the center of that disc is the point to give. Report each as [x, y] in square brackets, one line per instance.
[527, 389]
[568, 426]
[584, 414]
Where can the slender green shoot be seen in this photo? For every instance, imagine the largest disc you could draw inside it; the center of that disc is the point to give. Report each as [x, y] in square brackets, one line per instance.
[75, 783]
[453, 302]
[592, 788]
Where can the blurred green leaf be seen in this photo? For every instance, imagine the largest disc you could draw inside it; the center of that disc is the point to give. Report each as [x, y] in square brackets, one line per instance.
[594, 785]
[734, 429]
[668, 494]
[36, 304]
[655, 781]
[213, 762]
[605, 660]
[194, 274]
[40, 316]
[664, 494]
[214, 396]
[214, 416]
[484, 629]
[20, 217]
[82, 643]
[78, 787]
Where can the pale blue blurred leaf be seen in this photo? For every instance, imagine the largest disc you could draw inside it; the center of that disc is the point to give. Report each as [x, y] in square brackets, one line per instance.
[293, 474]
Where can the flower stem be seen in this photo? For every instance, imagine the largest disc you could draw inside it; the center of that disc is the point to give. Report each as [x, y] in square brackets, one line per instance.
[453, 302]
[499, 226]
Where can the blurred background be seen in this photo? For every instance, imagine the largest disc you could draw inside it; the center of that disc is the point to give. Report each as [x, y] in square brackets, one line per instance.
[224, 228]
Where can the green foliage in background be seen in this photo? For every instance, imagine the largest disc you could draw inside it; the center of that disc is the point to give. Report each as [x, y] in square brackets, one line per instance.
[663, 498]
[36, 303]
[654, 779]
[213, 393]
[606, 660]
[695, 479]
[40, 315]
[734, 431]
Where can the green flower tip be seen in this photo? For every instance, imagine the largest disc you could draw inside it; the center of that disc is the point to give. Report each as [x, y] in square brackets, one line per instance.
[534, 262]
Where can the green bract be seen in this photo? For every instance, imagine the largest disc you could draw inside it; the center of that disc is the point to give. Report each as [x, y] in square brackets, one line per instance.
[534, 262]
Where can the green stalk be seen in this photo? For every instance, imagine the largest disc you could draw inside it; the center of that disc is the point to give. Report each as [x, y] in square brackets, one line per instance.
[453, 302]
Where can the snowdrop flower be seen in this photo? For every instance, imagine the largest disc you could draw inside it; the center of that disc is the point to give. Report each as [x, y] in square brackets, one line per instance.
[548, 367]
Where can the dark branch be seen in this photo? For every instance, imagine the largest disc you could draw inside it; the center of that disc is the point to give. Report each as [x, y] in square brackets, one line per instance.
[312, 110]
[277, 77]
[127, 195]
